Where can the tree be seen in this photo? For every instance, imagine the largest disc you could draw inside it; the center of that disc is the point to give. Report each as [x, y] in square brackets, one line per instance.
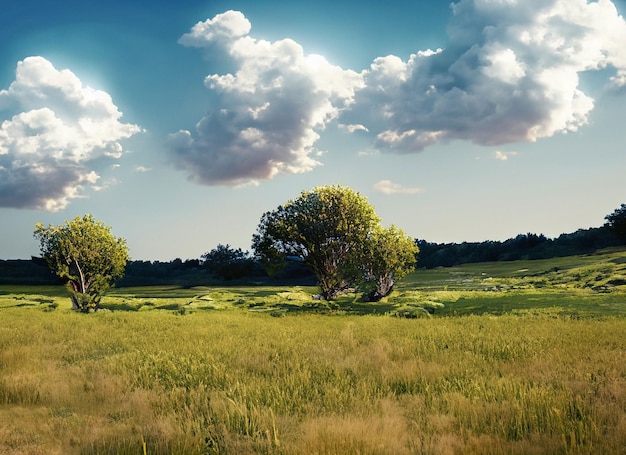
[617, 222]
[326, 228]
[389, 256]
[86, 254]
[228, 263]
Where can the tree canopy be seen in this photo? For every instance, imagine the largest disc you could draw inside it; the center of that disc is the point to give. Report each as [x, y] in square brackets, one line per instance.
[228, 263]
[332, 229]
[85, 253]
[617, 222]
[389, 256]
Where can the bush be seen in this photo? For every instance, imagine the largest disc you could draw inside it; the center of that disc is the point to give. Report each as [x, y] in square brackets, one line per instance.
[411, 312]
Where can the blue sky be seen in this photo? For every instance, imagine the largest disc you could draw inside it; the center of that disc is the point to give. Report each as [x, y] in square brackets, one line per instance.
[180, 124]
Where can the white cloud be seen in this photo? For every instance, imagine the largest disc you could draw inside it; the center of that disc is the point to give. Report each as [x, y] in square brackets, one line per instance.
[353, 128]
[142, 169]
[51, 128]
[503, 156]
[503, 65]
[270, 109]
[226, 26]
[388, 187]
[104, 185]
[509, 73]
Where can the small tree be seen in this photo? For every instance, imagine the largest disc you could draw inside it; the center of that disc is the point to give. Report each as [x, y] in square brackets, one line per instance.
[86, 254]
[326, 228]
[617, 222]
[389, 256]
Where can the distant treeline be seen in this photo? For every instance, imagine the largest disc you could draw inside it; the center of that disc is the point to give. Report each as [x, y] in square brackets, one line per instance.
[226, 265]
[195, 272]
[24, 271]
[192, 272]
[524, 246]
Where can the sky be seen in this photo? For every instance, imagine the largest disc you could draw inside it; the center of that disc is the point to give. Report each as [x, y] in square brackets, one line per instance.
[179, 124]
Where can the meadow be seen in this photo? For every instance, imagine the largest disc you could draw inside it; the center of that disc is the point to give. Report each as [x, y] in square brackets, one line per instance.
[525, 357]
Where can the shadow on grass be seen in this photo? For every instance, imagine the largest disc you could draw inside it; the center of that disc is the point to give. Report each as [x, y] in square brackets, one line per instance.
[365, 308]
[28, 290]
[324, 307]
[19, 305]
[119, 307]
[131, 307]
[168, 306]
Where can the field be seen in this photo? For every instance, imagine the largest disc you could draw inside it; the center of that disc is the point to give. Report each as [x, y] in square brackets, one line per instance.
[524, 357]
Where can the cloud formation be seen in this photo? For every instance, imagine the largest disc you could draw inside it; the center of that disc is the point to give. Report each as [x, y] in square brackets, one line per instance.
[388, 187]
[270, 109]
[51, 128]
[509, 73]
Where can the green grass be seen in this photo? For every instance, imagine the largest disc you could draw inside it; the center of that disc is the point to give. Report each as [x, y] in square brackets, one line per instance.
[511, 358]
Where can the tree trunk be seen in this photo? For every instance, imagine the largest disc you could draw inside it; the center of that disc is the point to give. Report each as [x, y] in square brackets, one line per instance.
[384, 287]
[73, 295]
[75, 305]
[82, 301]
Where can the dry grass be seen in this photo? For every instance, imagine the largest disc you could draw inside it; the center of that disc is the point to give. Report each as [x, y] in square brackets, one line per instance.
[238, 382]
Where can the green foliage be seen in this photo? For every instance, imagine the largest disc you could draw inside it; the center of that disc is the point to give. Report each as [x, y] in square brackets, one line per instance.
[336, 232]
[416, 304]
[617, 222]
[86, 254]
[521, 247]
[389, 255]
[411, 311]
[228, 263]
[326, 228]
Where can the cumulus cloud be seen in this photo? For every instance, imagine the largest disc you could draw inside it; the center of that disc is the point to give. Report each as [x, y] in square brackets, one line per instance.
[270, 110]
[509, 73]
[51, 128]
[225, 27]
[388, 187]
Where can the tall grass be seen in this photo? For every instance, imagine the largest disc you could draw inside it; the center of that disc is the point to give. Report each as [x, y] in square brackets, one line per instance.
[235, 382]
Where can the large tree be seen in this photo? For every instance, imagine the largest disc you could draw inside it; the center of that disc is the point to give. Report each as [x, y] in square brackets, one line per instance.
[326, 228]
[85, 253]
[389, 255]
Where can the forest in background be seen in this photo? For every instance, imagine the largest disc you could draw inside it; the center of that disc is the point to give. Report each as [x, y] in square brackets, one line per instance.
[523, 246]
[225, 264]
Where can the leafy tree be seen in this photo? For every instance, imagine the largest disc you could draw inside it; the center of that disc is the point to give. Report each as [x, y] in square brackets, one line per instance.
[227, 262]
[326, 228]
[617, 222]
[85, 253]
[389, 256]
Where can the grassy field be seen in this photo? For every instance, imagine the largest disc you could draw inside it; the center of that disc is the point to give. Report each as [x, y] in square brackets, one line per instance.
[505, 358]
